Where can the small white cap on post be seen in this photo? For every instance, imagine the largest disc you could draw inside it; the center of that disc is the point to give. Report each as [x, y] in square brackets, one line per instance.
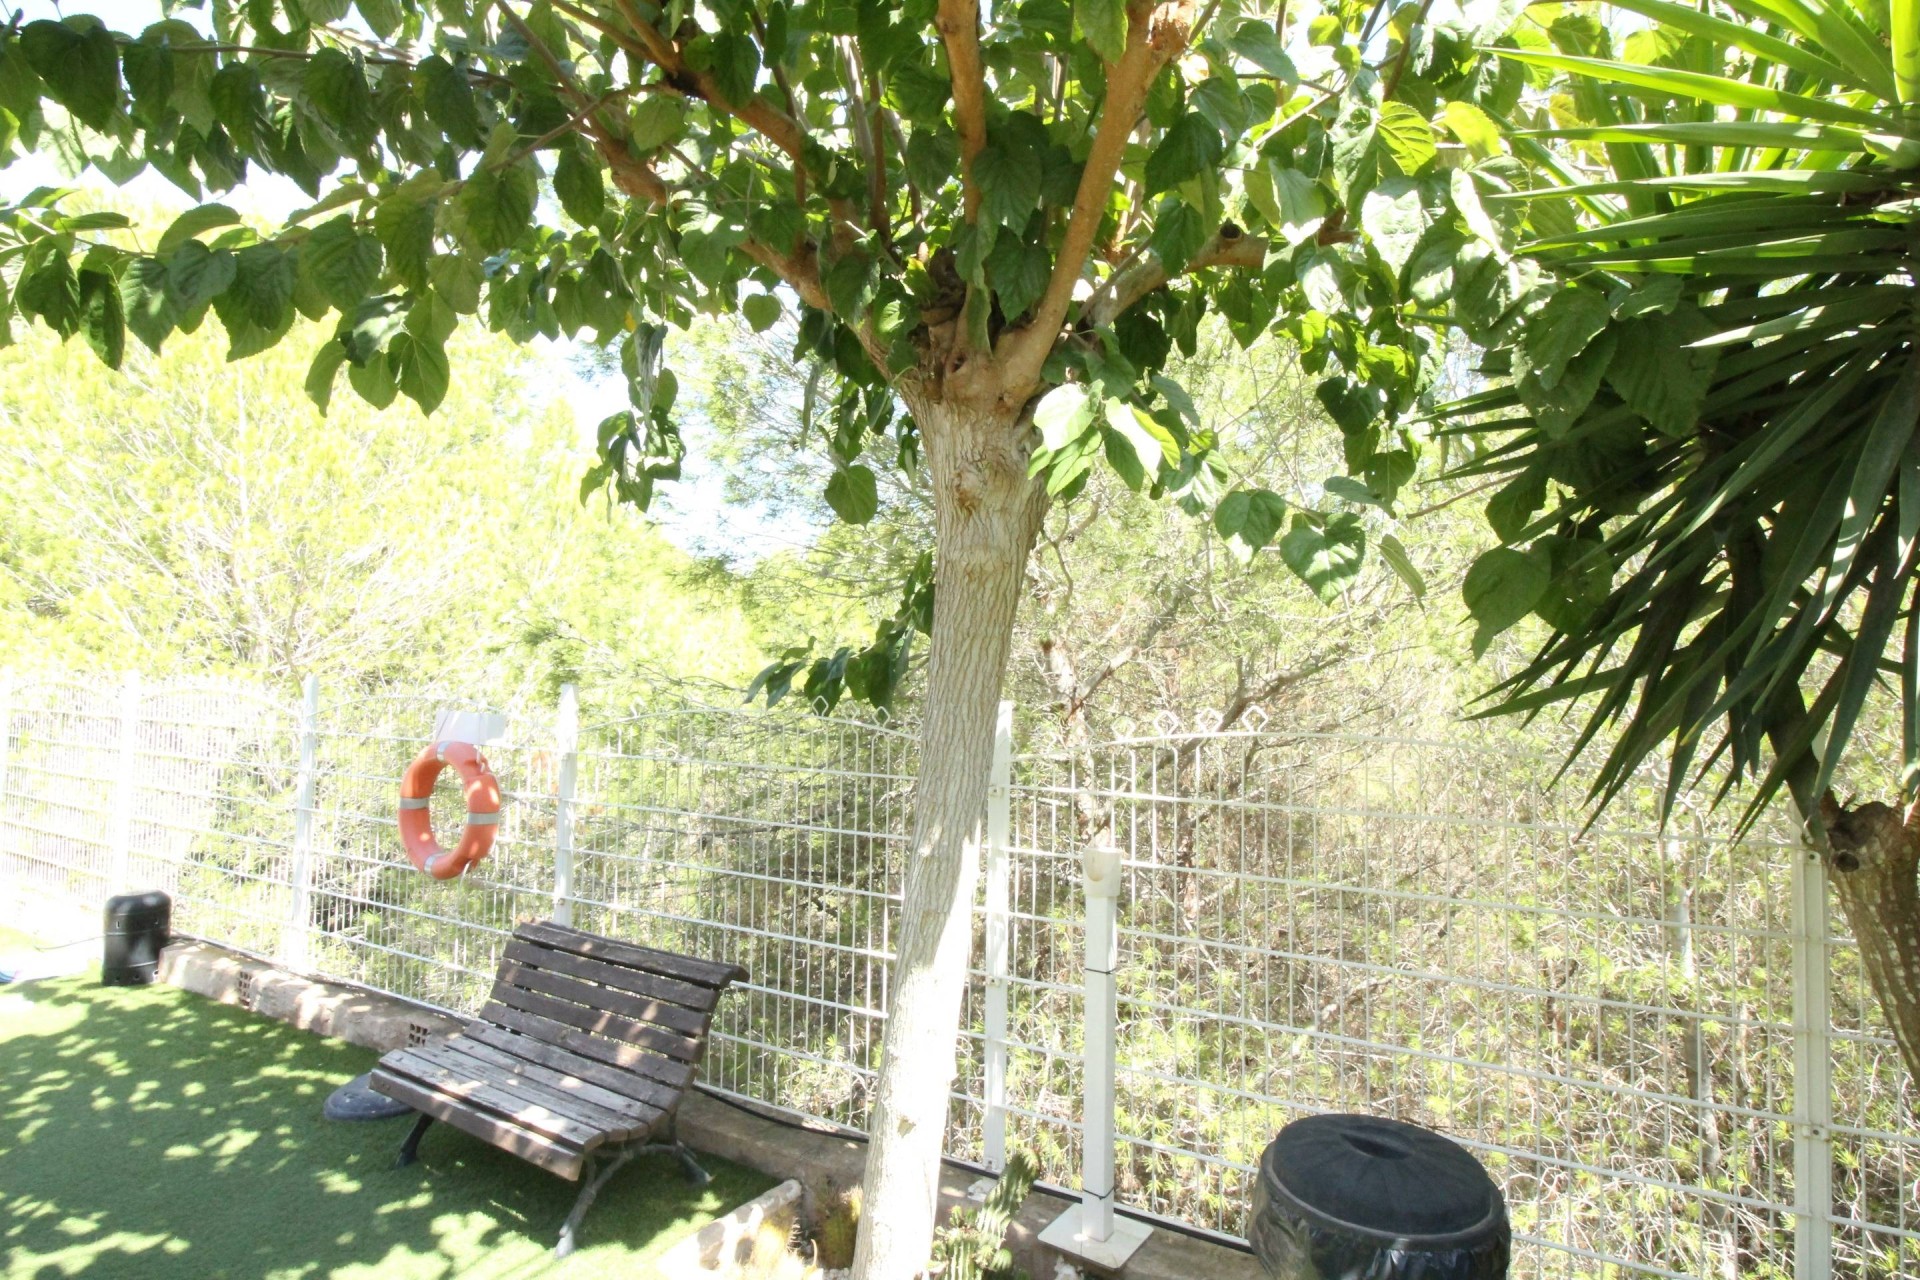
[1100, 865]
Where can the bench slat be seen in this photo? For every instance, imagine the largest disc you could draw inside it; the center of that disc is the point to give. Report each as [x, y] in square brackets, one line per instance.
[635, 1088]
[618, 1122]
[675, 1075]
[708, 973]
[611, 1025]
[526, 1114]
[639, 1115]
[692, 995]
[553, 983]
[491, 1129]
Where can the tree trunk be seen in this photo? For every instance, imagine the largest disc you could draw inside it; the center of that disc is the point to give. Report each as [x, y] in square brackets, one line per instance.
[1872, 860]
[987, 513]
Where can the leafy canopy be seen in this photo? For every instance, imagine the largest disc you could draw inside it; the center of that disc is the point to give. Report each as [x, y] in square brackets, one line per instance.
[1057, 191]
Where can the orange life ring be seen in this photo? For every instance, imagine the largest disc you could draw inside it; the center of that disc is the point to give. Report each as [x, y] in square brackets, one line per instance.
[483, 808]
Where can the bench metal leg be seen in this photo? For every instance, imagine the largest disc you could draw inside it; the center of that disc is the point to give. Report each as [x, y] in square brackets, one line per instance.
[570, 1232]
[410, 1149]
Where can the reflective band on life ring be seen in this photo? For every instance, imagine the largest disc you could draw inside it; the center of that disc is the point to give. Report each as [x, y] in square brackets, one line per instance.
[483, 808]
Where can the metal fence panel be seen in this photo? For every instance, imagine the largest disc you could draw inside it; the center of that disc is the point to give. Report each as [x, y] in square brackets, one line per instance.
[1623, 1023]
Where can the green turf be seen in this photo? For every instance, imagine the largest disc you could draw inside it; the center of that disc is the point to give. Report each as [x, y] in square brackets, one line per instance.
[145, 1131]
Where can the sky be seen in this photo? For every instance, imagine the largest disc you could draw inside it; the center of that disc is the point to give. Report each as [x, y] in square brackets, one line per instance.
[692, 513]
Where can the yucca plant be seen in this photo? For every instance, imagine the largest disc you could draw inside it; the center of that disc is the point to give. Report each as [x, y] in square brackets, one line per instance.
[1700, 310]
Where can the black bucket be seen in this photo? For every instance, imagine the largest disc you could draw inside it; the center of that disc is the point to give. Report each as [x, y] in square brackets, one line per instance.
[1348, 1197]
[138, 925]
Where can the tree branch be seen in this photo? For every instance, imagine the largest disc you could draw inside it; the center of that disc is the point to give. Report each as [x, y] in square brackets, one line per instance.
[958, 22]
[1152, 39]
[1228, 247]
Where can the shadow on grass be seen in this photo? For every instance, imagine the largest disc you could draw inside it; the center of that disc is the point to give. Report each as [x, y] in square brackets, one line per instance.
[146, 1131]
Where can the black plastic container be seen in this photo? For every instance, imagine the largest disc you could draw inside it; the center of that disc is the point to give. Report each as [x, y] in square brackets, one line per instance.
[1347, 1197]
[138, 925]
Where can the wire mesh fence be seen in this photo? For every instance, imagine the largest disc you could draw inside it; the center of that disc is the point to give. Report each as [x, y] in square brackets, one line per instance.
[1668, 1060]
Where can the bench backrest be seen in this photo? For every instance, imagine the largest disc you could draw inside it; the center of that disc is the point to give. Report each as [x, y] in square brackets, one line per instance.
[637, 1012]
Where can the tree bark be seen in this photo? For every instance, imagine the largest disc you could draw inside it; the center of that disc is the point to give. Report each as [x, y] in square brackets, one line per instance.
[986, 515]
[1873, 858]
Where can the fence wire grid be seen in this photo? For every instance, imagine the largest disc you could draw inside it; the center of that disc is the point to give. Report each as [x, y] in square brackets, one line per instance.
[1660, 1042]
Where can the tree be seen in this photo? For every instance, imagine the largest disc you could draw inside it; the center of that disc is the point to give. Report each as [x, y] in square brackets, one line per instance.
[1691, 263]
[995, 232]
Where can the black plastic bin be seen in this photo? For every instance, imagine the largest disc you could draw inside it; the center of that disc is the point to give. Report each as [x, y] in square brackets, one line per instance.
[138, 925]
[1346, 1197]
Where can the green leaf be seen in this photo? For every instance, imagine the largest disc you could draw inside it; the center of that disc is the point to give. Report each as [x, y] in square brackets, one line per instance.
[1502, 587]
[1511, 510]
[1152, 444]
[196, 275]
[1258, 44]
[1062, 415]
[146, 301]
[1699, 87]
[101, 319]
[448, 99]
[579, 186]
[1395, 217]
[1178, 233]
[80, 64]
[404, 224]
[1248, 519]
[762, 311]
[732, 59]
[1188, 149]
[1288, 199]
[1407, 137]
[373, 381]
[1395, 554]
[191, 223]
[262, 285]
[419, 370]
[456, 281]
[657, 120]
[1558, 332]
[1474, 128]
[1103, 25]
[854, 494]
[148, 64]
[1009, 186]
[51, 292]
[1326, 556]
[342, 261]
[496, 205]
[336, 88]
[1903, 26]
[1556, 408]
[1657, 371]
[323, 371]
[1018, 273]
[383, 18]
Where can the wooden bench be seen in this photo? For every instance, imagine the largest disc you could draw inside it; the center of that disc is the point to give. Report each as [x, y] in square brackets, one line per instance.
[581, 1055]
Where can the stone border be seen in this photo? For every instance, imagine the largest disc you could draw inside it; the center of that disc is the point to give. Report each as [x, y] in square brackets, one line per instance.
[748, 1244]
[819, 1162]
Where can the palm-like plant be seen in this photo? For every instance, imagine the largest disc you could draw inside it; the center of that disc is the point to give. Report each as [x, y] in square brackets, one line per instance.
[1709, 427]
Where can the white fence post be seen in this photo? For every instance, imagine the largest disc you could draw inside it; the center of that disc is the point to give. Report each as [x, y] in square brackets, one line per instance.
[1812, 1073]
[567, 731]
[999, 876]
[297, 933]
[6, 735]
[1089, 1230]
[125, 787]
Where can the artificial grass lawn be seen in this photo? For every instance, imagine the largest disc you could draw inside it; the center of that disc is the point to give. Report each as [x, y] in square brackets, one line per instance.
[146, 1131]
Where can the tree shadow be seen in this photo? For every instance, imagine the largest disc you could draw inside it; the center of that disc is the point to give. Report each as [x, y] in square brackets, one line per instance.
[150, 1131]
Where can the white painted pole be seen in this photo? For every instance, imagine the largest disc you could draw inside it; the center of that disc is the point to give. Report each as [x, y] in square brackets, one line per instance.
[6, 739]
[296, 936]
[567, 731]
[1812, 1073]
[120, 871]
[1100, 866]
[999, 890]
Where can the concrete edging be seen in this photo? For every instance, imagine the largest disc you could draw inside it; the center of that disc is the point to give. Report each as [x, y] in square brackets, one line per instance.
[817, 1163]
